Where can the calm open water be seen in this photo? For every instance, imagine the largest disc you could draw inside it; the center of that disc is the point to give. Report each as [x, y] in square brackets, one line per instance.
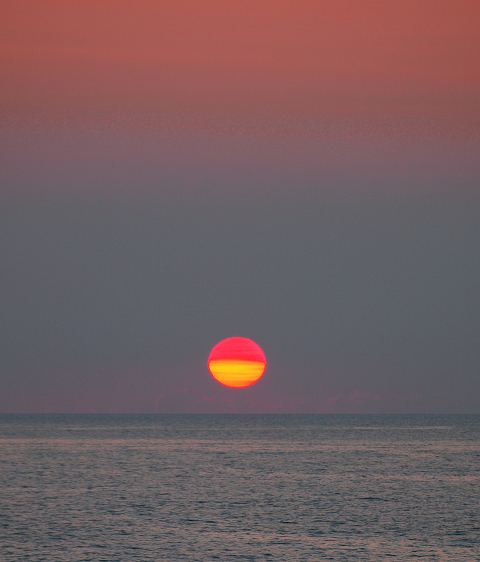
[274, 487]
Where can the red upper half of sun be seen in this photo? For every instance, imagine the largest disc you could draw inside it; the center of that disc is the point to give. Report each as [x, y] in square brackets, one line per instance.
[237, 348]
[237, 362]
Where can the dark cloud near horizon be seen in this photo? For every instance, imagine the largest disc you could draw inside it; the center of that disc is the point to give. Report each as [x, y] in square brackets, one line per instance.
[369, 301]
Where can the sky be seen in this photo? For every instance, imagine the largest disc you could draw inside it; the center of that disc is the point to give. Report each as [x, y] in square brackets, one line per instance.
[304, 174]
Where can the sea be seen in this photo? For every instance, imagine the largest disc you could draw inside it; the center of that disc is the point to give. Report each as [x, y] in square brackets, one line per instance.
[239, 488]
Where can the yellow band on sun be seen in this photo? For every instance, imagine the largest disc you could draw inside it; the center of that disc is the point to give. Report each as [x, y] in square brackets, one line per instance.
[235, 372]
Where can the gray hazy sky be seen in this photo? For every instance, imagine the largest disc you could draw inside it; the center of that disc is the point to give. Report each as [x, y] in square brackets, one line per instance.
[363, 298]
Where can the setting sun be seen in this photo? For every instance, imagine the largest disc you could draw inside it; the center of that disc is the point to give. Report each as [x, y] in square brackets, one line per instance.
[237, 362]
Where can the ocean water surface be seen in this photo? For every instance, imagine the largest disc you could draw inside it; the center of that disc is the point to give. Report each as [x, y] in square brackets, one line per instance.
[239, 488]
